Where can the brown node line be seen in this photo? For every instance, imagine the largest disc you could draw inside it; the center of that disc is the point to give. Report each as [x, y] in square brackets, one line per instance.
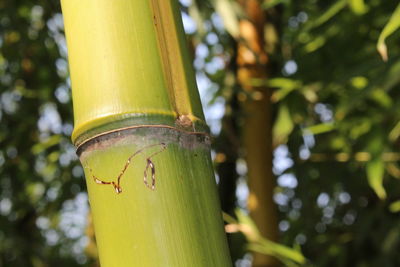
[79, 146]
[149, 165]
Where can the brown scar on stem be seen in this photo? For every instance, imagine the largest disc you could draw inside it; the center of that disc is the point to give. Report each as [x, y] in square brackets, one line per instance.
[184, 121]
[149, 164]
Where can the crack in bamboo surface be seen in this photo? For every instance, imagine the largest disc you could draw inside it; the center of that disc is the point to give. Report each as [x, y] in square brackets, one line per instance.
[149, 164]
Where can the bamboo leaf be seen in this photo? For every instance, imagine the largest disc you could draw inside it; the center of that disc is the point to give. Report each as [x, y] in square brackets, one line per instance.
[194, 13]
[315, 44]
[390, 27]
[395, 206]
[251, 232]
[270, 4]
[395, 132]
[265, 246]
[320, 128]
[359, 82]
[375, 174]
[283, 126]
[51, 141]
[391, 239]
[330, 13]
[285, 87]
[392, 78]
[381, 97]
[280, 251]
[228, 218]
[358, 7]
[226, 9]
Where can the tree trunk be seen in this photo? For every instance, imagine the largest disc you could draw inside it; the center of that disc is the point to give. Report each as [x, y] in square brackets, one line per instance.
[252, 63]
[141, 135]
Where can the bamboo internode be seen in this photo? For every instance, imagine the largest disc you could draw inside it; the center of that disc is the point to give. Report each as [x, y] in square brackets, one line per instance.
[128, 65]
[141, 135]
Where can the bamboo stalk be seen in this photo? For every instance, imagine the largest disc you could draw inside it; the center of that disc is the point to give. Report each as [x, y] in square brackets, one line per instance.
[252, 63]
[141, 135]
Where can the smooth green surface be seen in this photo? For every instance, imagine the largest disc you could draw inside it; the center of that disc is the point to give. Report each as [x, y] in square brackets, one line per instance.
[177, 224]
[112, 58]
[116, 65]
[129, 69]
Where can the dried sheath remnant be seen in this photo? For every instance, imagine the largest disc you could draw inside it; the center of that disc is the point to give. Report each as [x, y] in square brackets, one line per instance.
[149, 164]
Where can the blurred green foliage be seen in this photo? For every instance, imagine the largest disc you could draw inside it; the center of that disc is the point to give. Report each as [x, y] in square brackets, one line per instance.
[40, 179]
[336, 130]
[257, 243]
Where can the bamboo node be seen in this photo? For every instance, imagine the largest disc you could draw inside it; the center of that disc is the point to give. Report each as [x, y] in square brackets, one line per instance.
[184, 121]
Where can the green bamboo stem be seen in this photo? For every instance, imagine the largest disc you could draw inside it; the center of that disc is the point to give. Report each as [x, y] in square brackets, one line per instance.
[141, 135]
[177, 223]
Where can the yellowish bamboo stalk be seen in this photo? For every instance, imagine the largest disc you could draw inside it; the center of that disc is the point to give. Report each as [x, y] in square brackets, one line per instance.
[252, 63]
[141, 135]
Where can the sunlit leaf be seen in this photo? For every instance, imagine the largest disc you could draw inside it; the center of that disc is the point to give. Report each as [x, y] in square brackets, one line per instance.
[269, 4]
[395, 206]
[330, 13]
[392, 77]
[315, 44]
[375, 174]
[395, 132]
[285, 86]
[360, 128]
[320, 128]
[381, 97]
[51, 141]
[390, 27]
[227, 10]
[393, 169]
[198, 19]
[359, 82]
[265, 246]
[358, 6]
[283, 126]
[278, 250]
